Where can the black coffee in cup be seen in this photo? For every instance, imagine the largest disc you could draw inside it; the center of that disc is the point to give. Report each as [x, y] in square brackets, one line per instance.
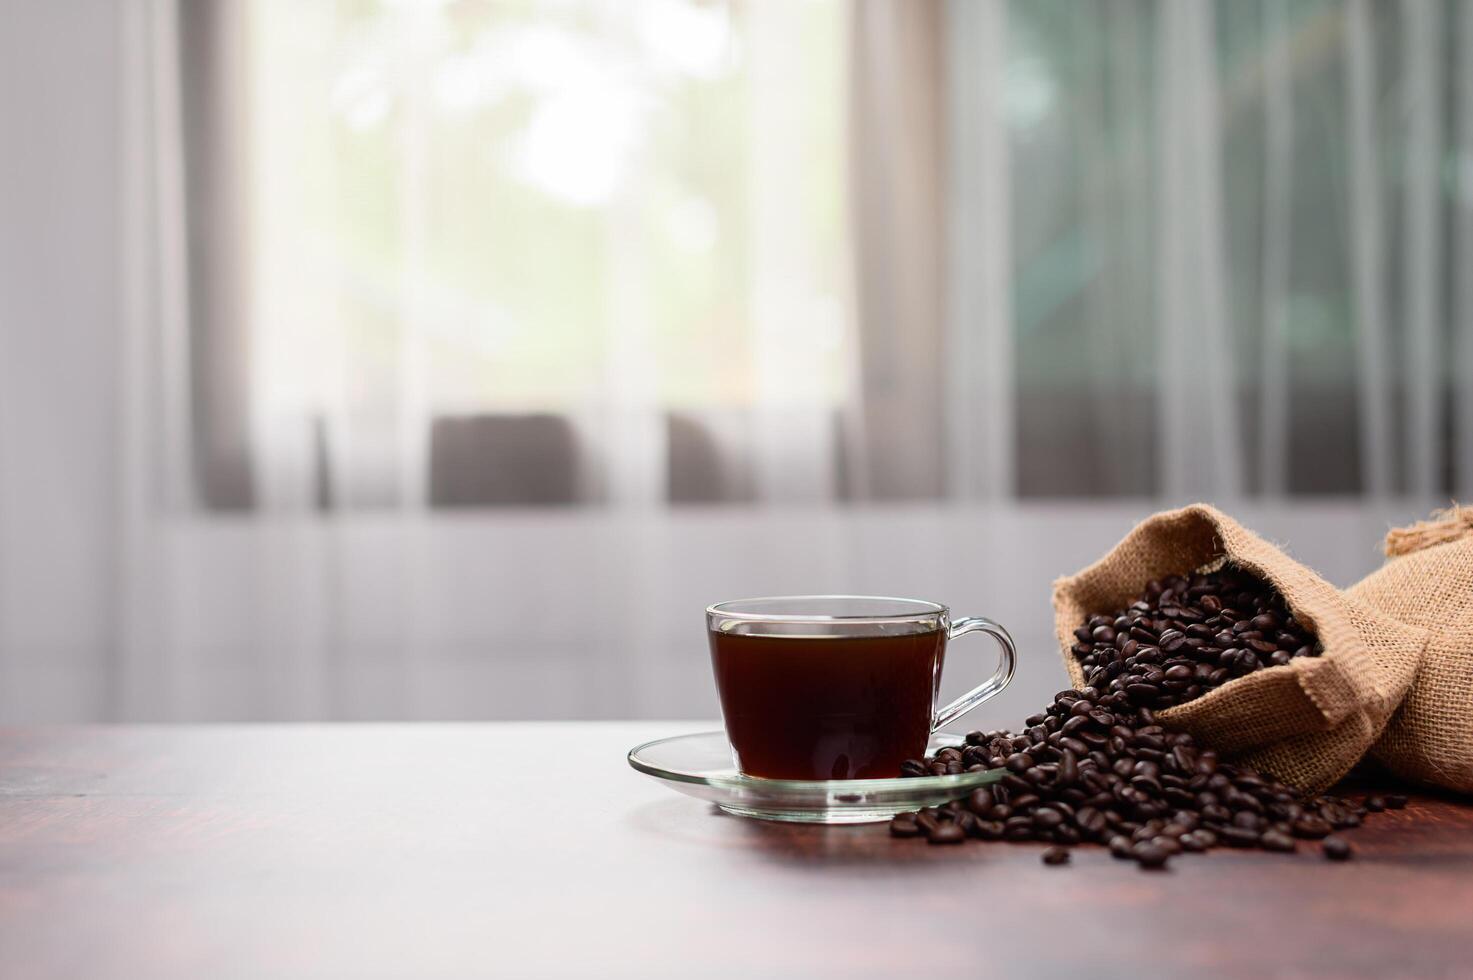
[827, 707]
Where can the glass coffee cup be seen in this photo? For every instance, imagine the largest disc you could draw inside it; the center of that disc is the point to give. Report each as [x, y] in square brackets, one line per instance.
[838, 686]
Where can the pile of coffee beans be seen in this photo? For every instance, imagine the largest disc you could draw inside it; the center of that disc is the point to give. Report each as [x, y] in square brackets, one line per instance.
[1188, 636]
[1094, 767]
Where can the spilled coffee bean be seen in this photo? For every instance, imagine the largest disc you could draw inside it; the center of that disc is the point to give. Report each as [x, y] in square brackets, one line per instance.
[1151, 854]
[1094, 767]
[904, 825]
[946, 833]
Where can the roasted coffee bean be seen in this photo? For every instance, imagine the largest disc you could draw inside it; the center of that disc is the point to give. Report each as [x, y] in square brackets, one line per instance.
[988, 829]
[1336, 848]
[947, 832]
[1248, 820]
[1014, 783]
[1273, 840]
[1056, 855]
[1020, 762]
[1168, 844]
[1150, 855]
[1375, 804]
[1148, 785]
[1074, 745]
[1047, 819]
[904, 825]
[912, 767]
[1265, 622]
[1238, 836]
[1149, 746]
[1395, 801]
[1068, 771]
[1142, 693]
[1312, 827]
[1073, 725]
[1090, 820]
[1195, 841]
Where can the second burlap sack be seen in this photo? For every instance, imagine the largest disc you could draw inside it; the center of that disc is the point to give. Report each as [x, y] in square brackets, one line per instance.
[1307, 722]
[1428, 581]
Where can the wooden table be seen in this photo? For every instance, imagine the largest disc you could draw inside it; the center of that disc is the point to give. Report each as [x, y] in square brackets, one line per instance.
[526, 850]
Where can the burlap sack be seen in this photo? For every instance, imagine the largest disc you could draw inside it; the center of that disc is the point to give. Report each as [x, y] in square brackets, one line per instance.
[1307, 722]
[1428, 581]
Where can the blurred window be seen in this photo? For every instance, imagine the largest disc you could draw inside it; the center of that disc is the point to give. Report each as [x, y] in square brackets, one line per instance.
[486, 252]
[490, 211]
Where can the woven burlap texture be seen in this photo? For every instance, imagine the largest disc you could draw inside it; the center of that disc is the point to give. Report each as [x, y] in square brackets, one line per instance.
[1307, 722]
[1427, 581]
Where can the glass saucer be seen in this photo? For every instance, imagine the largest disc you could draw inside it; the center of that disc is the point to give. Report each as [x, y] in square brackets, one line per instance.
[700, 765]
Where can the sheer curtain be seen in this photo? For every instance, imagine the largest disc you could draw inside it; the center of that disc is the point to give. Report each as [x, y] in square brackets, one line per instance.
[369, 526]
[1234, 233]
[410, 162]
[1154, 250]
[466, 351]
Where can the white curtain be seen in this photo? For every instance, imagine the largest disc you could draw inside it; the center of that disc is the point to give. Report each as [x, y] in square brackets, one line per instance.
[979, 298]
[324, 577]
[756, 298]
[1235, 233]
[360, 358]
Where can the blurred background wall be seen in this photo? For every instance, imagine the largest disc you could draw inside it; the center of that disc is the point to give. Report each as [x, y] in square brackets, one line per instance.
[444, 359]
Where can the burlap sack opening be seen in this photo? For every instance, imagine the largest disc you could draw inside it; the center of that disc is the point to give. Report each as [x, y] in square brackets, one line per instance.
[1427, 581]
[1307, 722]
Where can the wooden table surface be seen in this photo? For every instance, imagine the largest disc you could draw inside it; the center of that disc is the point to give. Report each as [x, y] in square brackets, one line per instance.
[529, 850]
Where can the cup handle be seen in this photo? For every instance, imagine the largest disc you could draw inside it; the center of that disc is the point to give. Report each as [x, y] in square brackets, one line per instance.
[1006, 660]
